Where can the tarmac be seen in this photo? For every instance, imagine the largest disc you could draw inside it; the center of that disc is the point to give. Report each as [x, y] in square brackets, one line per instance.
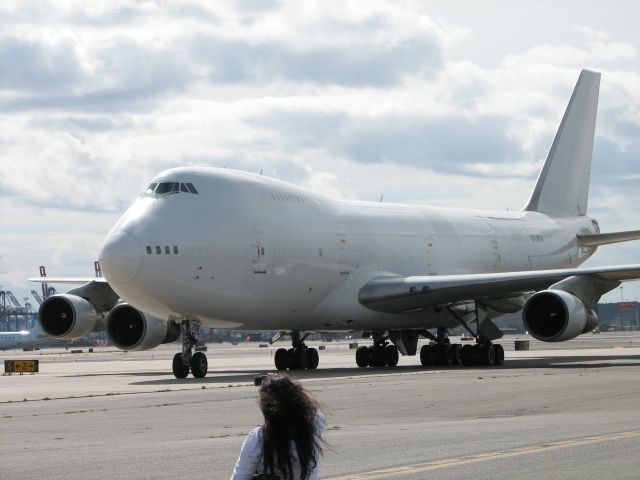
[569, 410]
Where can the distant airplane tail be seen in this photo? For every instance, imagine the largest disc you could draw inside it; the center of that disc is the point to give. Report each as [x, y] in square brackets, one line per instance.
[562, 188]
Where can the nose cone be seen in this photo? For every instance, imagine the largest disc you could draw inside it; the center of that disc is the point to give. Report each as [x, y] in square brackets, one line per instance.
[120, 257]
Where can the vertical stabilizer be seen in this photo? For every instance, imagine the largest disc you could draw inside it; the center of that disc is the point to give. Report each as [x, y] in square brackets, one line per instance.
[562, 188]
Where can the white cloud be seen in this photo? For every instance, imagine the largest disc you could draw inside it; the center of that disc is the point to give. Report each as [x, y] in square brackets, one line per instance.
[353, 101]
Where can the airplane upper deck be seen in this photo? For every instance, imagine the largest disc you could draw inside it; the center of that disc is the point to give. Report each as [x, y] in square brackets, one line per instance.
[195, 180]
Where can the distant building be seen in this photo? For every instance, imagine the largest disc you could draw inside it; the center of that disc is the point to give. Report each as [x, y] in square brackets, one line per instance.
[618, 316]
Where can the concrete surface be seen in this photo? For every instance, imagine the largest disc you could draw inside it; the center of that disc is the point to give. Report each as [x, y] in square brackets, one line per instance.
[567, 410]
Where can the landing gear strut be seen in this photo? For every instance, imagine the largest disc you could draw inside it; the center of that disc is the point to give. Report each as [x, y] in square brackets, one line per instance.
[186, 360]
[381, 354]
[299, 357]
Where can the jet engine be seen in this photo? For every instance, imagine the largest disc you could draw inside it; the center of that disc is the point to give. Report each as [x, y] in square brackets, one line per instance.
[130, 329]
[67, 316]
[556, 316]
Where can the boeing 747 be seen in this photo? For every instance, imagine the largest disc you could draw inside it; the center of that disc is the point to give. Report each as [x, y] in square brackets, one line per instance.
[228, 249]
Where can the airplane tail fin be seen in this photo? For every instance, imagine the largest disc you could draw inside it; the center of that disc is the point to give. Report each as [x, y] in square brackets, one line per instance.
[562, 188]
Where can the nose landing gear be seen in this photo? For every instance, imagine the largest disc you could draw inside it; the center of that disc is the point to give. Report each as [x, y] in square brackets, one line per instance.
[186, 360]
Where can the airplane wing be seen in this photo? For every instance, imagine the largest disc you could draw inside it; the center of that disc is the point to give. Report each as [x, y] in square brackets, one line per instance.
[96, 290]
[397, 294]
[70, 280]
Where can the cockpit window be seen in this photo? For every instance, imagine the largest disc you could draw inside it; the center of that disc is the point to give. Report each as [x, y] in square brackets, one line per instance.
[167, 187]
[150, 188]
[164, 188]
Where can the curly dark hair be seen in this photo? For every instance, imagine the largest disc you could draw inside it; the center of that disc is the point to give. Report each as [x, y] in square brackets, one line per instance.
[289, 419]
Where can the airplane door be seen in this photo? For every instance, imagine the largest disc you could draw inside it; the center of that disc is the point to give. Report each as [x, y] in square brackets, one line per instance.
[342, 254]
[431, 261]
[259, 263]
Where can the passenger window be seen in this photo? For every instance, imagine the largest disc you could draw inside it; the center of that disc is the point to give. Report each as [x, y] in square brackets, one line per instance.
[175, 250]
[166, 250]
[183, 188]
[148, 250]
[158, 250]
[191, 188]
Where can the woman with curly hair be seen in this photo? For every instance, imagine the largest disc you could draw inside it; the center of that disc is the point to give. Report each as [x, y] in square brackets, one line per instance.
[289, 443]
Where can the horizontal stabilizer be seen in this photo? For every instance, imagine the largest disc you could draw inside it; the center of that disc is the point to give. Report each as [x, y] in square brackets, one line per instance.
[597, 239]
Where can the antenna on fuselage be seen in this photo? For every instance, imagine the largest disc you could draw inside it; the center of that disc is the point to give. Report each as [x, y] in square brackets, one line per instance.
[381, 197]
[260, 171]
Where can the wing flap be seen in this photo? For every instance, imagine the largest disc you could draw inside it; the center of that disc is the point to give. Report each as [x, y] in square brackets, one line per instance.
[402, 294]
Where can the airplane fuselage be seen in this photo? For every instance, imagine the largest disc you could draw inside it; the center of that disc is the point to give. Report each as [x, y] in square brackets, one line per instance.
[20, 339]
[248, 251]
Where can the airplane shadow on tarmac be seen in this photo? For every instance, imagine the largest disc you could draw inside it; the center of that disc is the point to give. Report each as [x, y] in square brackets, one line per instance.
[217, 376]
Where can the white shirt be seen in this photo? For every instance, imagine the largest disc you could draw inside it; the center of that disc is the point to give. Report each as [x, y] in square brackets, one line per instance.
[250, 459]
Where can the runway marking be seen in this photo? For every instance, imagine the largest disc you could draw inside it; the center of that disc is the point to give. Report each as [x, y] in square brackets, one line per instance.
[483, 457]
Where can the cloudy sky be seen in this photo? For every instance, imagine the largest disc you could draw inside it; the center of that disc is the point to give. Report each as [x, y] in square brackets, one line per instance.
[444, 103]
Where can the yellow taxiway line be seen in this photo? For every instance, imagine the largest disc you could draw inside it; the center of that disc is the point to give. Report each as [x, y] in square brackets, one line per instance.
[483, 457]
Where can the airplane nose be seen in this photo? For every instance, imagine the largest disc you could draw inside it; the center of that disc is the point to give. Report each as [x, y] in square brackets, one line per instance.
[121, 257]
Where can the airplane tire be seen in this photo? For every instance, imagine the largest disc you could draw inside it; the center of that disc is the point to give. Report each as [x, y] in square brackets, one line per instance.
[362, 357]
[434, 355]
[456, 354]
[488, 355]
[377, 357]
[391, 356]
[445, 355]
[281, 359]
[180, 370]
[312, 358]
[499, 354]
[467, 355]
[299, 359]
[477, 354]
[425, 356]
[199, 365]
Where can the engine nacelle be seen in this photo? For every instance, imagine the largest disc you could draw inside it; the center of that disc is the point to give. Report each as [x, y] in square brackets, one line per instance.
[130, 329]
[67, 316]
[556, 316]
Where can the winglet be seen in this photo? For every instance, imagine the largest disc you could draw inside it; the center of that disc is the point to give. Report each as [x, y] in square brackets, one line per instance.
[562, 188]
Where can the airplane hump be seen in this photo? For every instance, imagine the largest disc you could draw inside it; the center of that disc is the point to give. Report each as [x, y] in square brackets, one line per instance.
[562, 188]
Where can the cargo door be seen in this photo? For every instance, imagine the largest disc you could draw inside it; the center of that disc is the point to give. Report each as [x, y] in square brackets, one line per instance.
[258, 262]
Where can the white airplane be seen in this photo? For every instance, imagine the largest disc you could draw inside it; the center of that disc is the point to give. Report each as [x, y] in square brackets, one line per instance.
[22, 338]
[228, 249]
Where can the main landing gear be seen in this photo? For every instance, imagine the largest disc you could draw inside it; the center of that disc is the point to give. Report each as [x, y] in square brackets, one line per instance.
[185, 361]
[381, 354]
[445, 354]
[299, 357]
[442, 353]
